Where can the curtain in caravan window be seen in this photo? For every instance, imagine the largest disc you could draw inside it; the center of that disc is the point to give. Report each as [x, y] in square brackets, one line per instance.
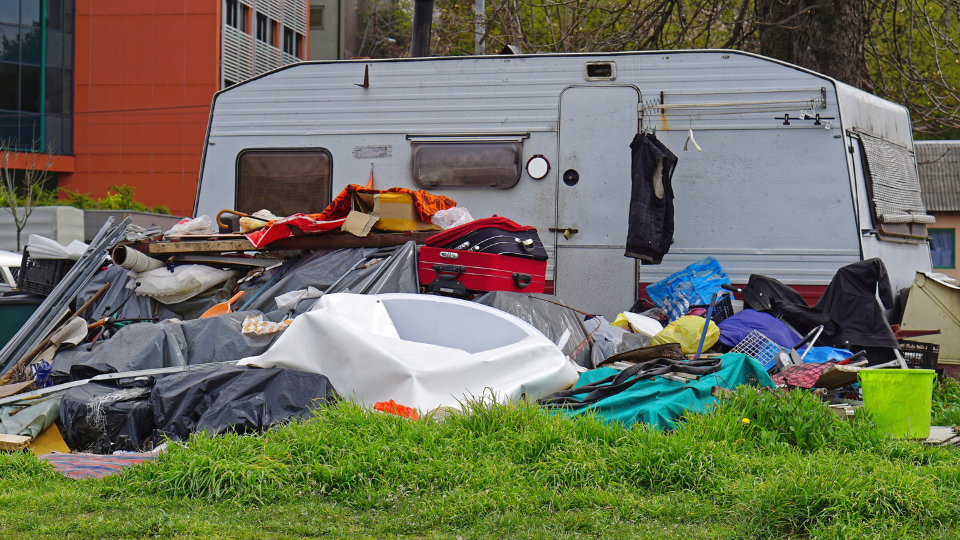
[942, 244]
[284, 181]
[892, 182]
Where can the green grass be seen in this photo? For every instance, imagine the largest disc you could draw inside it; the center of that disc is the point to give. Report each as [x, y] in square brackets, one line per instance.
[793, 470]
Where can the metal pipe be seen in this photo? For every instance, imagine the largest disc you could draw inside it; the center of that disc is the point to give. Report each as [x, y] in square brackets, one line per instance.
[422, 22]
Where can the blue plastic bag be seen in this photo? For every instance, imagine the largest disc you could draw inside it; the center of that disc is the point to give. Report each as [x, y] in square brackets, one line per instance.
[693, 285]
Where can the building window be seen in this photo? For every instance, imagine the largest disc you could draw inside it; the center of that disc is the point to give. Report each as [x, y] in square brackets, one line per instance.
[245, 19]
[233, 13]
[300, 46]
[289, 44]
[490, 165]
[262, 28]
[274, 33]
[316, 17]
[942, 247]
[285, 181]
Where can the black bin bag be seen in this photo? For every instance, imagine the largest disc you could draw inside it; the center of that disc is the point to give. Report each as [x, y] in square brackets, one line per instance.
[236, 399]
[104, 418]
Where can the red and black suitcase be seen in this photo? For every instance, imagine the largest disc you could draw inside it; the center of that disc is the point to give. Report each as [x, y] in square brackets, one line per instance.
[495, 235]
[460, 273]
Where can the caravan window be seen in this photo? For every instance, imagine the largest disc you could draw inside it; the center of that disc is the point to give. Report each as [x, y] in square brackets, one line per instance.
[473, 164]
[284, 181]
[892, 182]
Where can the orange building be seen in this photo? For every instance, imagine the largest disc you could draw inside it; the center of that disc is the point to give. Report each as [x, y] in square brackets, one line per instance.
[125, 87]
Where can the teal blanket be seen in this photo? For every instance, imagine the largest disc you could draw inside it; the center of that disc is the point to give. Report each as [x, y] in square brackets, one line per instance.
[660, 402]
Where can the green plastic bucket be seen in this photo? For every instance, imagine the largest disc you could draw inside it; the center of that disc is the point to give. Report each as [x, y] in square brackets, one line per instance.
[900, 400]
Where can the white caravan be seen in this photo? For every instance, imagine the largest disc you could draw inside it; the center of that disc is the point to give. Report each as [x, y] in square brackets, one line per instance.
[798, 175]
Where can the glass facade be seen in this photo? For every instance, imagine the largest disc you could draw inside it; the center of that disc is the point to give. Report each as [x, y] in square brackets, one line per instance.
[36, 74]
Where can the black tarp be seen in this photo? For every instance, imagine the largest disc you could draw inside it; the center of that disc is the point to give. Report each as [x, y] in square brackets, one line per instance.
[104, 418]
[236, 399]
[851, 300]
[545, 313]
[770, 295]
[169, 343]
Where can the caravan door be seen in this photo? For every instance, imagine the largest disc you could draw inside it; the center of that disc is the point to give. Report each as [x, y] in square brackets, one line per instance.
[597, 125]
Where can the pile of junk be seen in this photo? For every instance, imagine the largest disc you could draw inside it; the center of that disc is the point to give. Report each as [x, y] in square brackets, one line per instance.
[405, 303]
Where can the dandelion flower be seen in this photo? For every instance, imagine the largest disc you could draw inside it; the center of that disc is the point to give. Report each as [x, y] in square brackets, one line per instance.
[746, 420]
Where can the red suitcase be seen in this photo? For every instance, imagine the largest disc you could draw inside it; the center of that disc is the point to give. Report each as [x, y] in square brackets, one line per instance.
[461, 273]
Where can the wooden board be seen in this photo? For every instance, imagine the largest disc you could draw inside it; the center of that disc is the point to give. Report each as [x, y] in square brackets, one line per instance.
[13, 443]
[317, 241]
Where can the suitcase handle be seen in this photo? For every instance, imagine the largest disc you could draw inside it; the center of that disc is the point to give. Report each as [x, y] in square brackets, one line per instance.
[527, 246]
[450, 271]
[522, 280]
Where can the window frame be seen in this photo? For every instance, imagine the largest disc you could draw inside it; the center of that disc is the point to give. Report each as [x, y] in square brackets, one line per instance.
[953, 242]
[232, 13]
[303, 150]
[320, 10]
[290, 39]
[262, 17]
[417, 142]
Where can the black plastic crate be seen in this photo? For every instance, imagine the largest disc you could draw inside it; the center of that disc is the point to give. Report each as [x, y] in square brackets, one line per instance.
[721, 310]
[40, 276]
[920, 355]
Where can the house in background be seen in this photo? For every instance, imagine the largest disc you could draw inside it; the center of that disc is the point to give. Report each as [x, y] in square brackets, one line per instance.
[938, 163]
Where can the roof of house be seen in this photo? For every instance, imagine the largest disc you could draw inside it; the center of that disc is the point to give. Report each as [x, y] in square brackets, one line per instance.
[938, 164]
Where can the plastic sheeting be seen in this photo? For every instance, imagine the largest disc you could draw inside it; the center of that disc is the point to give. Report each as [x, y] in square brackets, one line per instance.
[542, 312]
[169, 343]
[236, 399]
[29, 421]
[661, 402]
[135, 307]
[422, 351]
[104, 417]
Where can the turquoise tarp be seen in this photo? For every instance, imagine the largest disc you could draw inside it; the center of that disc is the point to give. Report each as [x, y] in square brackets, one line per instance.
[661, 402]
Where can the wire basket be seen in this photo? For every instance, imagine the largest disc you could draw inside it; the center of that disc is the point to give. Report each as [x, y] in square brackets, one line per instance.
[760, 348]
[920, 355]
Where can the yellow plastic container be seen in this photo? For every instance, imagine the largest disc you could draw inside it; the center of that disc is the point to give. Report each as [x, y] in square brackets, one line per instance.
[900, 400]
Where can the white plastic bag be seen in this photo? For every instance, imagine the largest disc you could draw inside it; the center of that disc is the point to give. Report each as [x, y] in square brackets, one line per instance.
[451, 217]
[185, 282]
[200, 225]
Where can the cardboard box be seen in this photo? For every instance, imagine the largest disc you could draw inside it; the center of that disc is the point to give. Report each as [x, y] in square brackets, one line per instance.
[394, 212]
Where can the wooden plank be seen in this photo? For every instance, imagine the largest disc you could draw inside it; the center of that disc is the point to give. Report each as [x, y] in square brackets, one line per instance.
[837, 376]
[687, 376]
[317, 241]
[13, 443]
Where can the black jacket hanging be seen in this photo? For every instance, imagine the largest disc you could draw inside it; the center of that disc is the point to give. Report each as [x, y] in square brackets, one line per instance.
[650, 228]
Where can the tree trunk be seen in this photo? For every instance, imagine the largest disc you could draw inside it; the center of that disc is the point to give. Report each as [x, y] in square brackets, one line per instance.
[822, 35]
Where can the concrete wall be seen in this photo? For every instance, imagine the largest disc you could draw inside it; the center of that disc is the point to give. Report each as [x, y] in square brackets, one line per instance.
[61, 223]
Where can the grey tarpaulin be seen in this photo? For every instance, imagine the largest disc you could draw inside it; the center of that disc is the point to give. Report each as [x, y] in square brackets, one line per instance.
[235, 399]
[104, 417]
[170, 343]
[324, 268]
[317, 270]
[135, 307]
[542, 312]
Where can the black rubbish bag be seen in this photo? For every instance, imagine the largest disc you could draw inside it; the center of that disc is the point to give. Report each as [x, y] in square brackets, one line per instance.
[104, 418]
[236, 399]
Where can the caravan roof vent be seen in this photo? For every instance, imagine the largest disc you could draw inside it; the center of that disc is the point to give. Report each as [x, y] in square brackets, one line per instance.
[600, 71]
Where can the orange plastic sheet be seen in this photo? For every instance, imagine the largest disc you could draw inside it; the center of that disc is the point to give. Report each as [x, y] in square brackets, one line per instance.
[392, 407]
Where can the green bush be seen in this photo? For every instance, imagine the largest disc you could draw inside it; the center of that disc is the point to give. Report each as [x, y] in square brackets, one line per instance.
[118, 198]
